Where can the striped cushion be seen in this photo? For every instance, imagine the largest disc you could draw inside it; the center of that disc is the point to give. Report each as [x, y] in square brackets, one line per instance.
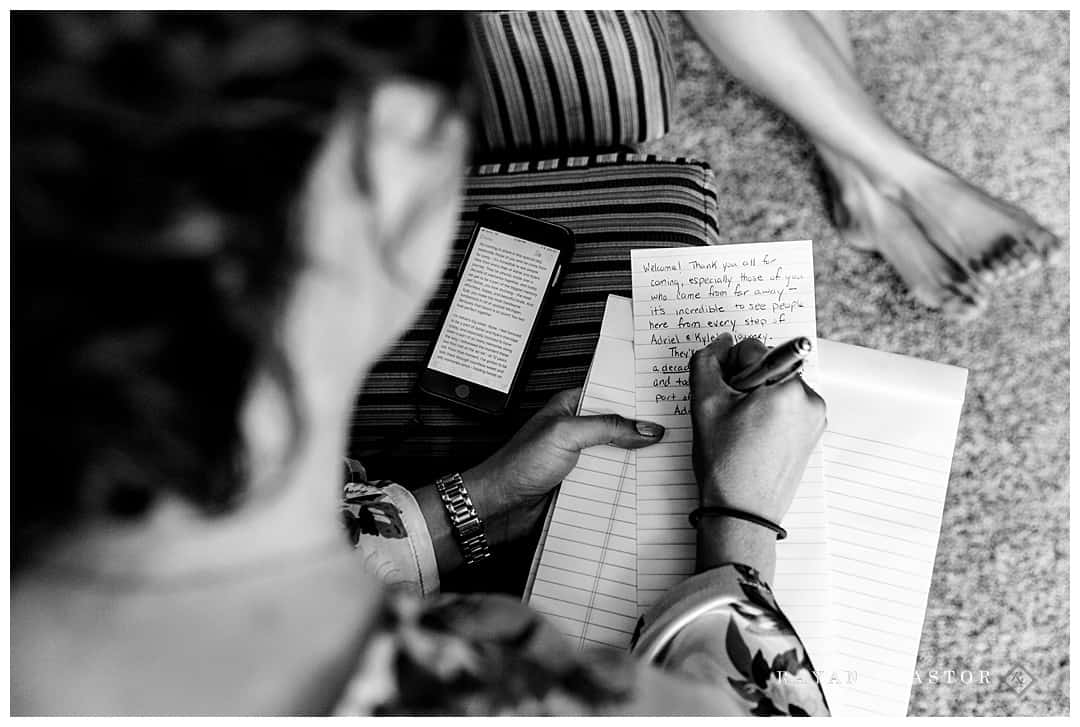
[613, 203]
[558, 80]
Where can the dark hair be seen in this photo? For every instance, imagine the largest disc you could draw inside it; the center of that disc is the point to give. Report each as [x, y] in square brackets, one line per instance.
[155, 161]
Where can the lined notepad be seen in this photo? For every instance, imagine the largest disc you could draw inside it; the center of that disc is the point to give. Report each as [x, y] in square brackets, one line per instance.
[683, 299]
[859, 602]
[584, 578]
[888, 451]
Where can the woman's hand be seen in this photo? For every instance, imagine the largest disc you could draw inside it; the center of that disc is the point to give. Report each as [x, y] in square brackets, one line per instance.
[750, 450]
[516, 479]
[508, 488]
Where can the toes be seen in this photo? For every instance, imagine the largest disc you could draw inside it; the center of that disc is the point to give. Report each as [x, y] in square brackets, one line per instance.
[998, 259]
[976, 275]
[1014, 254]
[1032, 259]
[969, 289]
[1028, 254]
[961, 311]
[961, 299]
[984, 267]
[964, 302]
[1047, 245]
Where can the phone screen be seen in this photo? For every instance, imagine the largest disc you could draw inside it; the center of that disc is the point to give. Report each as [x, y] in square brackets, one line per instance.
[498, 297]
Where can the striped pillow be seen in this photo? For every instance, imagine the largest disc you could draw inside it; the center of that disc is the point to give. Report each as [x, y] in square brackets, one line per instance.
[559, 80]
[613, 203]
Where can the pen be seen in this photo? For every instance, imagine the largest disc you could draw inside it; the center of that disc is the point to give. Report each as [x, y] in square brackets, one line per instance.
[775, 365]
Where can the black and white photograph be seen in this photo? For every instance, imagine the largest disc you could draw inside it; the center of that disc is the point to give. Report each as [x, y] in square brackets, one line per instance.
[539, 362]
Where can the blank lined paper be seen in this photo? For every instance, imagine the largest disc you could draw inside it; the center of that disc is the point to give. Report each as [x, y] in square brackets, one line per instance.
[855, 573]
[888, 452]
[584, 579]
[683, 299]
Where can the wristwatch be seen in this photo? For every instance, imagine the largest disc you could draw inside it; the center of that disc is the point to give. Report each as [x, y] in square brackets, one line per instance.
[468, 528]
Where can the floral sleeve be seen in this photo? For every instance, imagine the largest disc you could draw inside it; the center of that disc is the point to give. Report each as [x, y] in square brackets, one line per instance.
[388, 531]
[725, 627]
[718, 646]
[718, 643]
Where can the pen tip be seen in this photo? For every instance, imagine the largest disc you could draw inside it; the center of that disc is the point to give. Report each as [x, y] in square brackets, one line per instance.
[803, 345]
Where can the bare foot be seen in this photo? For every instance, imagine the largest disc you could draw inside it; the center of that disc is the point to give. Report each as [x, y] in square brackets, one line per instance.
[869, 221]
[941, 233]
[996, 239]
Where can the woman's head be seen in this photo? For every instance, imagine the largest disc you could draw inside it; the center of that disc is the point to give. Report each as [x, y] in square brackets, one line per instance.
[196, 197]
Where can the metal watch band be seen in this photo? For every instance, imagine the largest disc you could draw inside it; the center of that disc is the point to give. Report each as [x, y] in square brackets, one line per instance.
[468, 528]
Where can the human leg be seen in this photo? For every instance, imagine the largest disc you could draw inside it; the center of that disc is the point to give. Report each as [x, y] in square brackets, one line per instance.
[946, 238]
[868, 221]
[834, 24]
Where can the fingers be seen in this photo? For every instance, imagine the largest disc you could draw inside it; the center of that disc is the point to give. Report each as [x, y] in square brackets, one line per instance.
[579, 432]
[563, 403]
[707, 364]
[745, 354]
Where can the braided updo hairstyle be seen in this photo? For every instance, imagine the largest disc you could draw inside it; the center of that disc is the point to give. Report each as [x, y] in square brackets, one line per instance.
[156, 158]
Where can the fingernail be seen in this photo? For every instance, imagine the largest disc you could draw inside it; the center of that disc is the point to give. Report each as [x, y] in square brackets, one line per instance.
[648, 429]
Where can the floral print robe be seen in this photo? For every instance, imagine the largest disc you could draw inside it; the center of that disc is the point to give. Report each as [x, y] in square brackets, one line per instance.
[716, 644]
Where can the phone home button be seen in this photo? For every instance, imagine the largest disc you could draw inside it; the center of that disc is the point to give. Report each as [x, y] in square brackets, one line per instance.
[462, 390]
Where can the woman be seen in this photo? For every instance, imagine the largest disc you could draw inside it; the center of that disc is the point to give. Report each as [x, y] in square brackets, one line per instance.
[219, 222]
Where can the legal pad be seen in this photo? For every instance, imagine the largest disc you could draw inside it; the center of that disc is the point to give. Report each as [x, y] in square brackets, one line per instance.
[854, 574]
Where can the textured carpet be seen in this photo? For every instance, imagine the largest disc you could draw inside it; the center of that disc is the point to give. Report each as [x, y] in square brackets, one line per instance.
[986, 94]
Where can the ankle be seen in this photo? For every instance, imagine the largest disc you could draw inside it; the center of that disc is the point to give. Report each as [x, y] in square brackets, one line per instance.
[894, 173]
[907, 177]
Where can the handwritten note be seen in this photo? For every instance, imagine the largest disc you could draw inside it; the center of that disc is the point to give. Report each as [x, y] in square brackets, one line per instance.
[683, 299]
[584, 578]
[887, 456]
[888, 452]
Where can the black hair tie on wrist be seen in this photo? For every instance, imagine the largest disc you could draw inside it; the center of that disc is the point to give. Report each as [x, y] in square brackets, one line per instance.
[696, 515]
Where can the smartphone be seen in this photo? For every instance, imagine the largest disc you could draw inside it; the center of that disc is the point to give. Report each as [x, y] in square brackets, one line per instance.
[511, 271]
